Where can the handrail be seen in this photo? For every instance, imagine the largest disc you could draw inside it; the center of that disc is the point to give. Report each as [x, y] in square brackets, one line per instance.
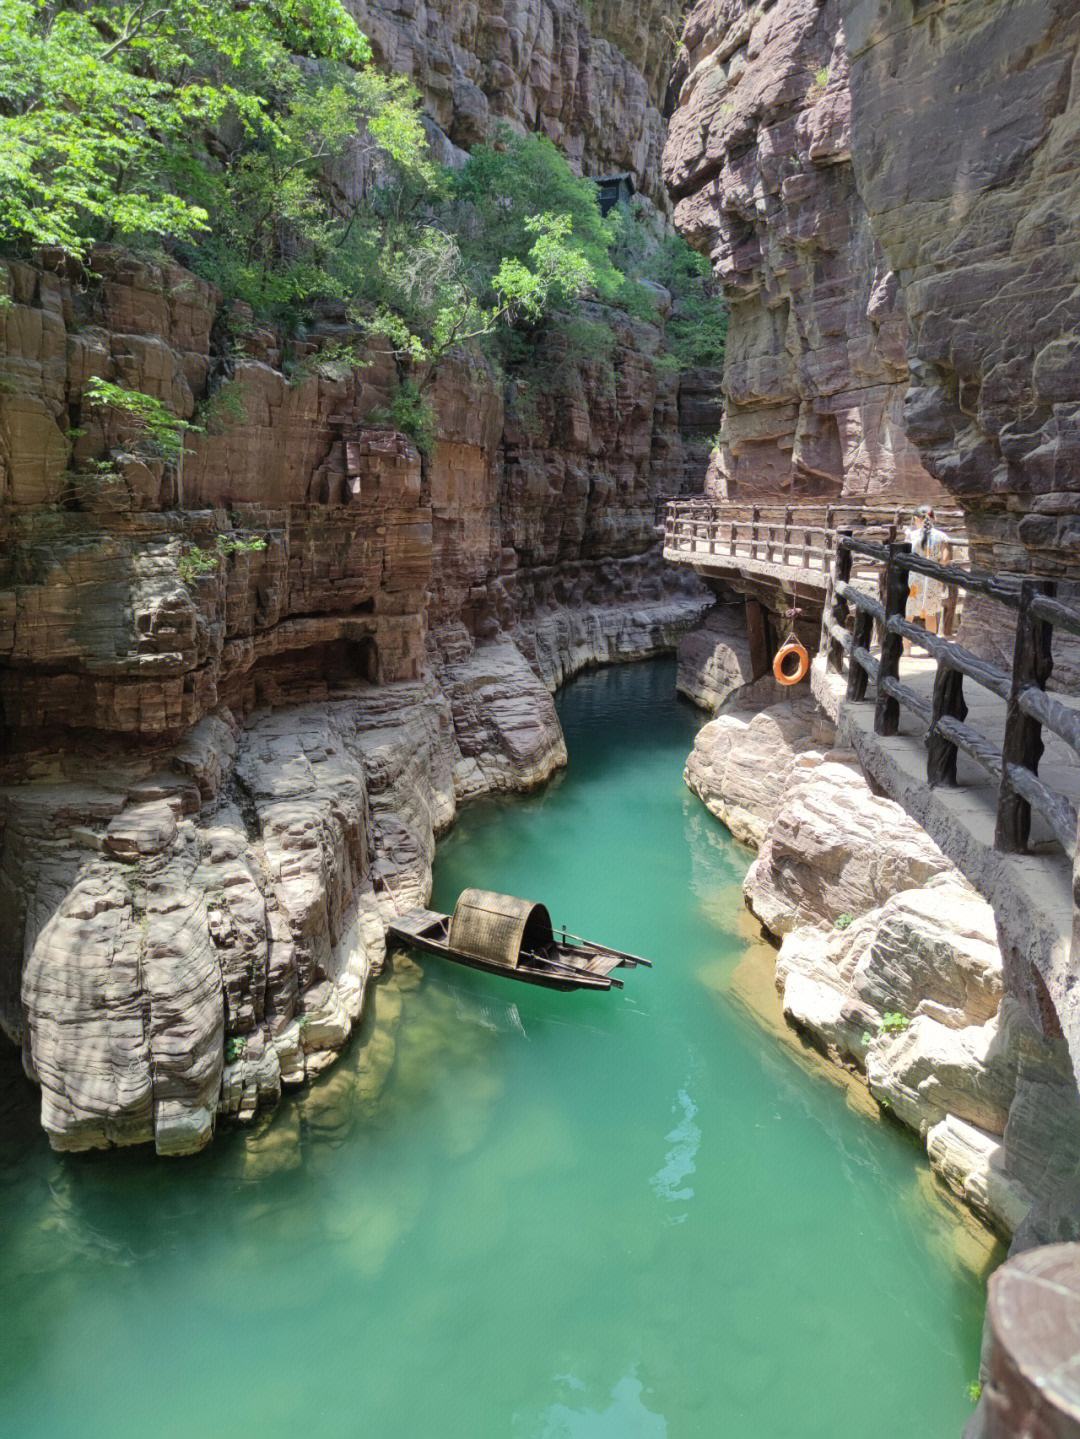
[1029, 708]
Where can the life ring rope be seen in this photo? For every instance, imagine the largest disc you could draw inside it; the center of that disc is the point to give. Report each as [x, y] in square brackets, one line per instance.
[783, 671]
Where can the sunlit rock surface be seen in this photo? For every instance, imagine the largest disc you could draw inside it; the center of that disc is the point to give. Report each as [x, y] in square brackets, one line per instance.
[714, 657]
[889, 962]
[743, 762]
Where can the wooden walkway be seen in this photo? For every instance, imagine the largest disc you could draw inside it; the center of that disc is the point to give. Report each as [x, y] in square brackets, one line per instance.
[976, 789]
[793, 545]
[985, 757]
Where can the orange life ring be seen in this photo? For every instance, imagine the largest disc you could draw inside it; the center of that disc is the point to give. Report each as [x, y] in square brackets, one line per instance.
[781, 665]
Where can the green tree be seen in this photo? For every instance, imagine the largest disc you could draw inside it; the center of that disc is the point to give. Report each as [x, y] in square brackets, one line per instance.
[192, 121]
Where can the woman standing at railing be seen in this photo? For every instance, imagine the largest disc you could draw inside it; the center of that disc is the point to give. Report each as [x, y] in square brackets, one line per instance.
[926, 596]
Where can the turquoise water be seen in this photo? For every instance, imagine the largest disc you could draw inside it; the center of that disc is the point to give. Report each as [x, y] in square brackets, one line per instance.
[507, 1213]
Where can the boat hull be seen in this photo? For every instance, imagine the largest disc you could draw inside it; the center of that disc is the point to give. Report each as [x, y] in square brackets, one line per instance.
[523, 974]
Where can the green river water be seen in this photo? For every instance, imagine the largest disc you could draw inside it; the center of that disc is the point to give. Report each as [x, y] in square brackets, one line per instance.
[509, 1213]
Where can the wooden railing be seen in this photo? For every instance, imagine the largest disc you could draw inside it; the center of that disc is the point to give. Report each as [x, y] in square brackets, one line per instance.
[797, 536]
[848, 624]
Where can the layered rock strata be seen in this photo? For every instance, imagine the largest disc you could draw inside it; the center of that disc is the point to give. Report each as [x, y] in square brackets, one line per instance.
[895, 237]
[889, 960]
[201, 924]
[971, 189]
[241, 695]
[591, 77]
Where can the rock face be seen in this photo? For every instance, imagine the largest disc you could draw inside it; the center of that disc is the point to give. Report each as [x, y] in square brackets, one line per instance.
[759, 161]
[714, 657]
[970, 189]
[744, 762]
[591, 77]
[240, 696]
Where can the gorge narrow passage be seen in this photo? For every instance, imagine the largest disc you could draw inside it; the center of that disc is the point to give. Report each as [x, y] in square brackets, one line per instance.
[511, 1212]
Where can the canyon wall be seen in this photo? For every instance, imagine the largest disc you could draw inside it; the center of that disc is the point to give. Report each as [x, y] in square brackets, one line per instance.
[887, 190]
[591, 77]
[240, 695]
[759, 163]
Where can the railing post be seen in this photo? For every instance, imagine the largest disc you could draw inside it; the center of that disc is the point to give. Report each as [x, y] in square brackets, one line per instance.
[836, 609]
[862, 634]
[1033, 662]
[887, 709]
[788, 519]
[948, 701]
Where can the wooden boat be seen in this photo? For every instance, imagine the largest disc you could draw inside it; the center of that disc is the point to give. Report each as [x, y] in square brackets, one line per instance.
[514, 938]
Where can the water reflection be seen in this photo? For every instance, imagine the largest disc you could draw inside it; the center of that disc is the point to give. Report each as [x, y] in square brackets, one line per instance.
[679, 1164]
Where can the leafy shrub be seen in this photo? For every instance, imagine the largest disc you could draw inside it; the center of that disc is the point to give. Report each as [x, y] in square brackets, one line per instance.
[843, 921]
[235, 1048]
[159, 434]
[224, 407]
[411, 412]
[892, 1023]
[196, 562]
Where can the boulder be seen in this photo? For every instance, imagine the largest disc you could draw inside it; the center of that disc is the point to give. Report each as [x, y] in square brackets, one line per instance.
[714, 657]
[742, 763]
[836, 849]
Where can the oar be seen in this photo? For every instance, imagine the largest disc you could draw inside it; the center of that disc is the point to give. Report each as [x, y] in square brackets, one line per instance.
[543, 962]
[609, 949]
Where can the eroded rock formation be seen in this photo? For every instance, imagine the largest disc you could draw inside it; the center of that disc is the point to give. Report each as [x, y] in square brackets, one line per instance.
[894, 229]
[592, 78]
[889, 961]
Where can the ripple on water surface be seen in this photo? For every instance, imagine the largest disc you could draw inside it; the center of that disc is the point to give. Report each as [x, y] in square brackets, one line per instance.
[508, 1212]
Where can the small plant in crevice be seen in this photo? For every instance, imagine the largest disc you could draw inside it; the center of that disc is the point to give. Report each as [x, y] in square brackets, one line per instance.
[892, 1022]
[843, 921]
[235, 1048]
[411, 412]
[223, 408]
[821, 78]
[196, 561]
[334, 361]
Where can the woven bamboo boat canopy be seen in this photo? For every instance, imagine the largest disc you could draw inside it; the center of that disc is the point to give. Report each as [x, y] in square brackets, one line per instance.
[496, 927]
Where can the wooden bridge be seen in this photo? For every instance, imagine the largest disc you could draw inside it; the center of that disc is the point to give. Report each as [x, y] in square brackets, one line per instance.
[790, 544]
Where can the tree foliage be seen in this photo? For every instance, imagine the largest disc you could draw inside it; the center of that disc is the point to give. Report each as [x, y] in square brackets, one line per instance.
[256, 141]
[195, 121]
